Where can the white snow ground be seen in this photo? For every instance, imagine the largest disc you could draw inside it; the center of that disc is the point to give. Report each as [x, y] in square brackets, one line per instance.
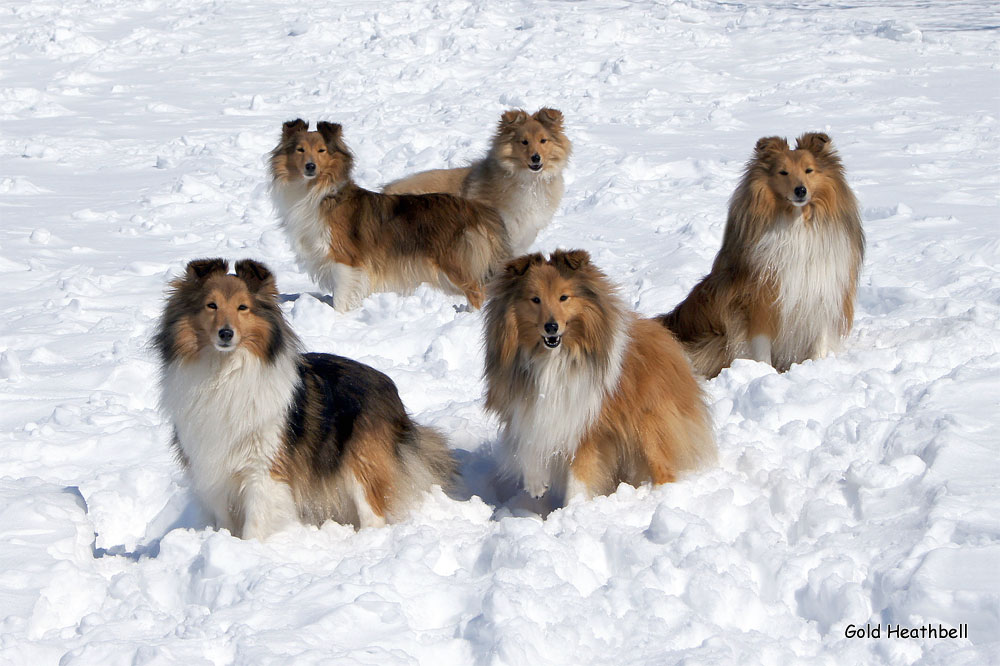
[863, 488]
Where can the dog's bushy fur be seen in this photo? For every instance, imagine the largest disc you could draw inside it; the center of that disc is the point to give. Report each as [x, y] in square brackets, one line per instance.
[589, 395]
[353, 241]
[782, 287]
[269, 436]
[521, 176]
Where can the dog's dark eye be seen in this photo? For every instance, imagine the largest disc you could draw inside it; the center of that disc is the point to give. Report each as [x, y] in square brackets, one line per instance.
[322, 150]
[243, 307]
[783, 172]
[809, 170]
[564, 297]
[535, 299]
[544, 140]
[212, 306]
[301, 149]
[524, 141]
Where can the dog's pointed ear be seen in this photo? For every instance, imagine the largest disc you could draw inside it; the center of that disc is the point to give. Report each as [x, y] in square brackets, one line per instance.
[293, 127]
[520, 265]
[817, 143]
[770, 144]
[550, 118]
[333, 135]
[201, 269]
[572, 259]
[512, 118]
[256, 275]
[330, 131]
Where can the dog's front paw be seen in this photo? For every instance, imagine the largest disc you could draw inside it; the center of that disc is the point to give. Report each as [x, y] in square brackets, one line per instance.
[344, 301]
[536, 487]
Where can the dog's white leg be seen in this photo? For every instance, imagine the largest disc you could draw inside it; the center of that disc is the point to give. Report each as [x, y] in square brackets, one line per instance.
[536, 481]
[215, 498]
[760, 349]
[821, 347]
[348, 285]
[576, 490]
[366, 515]
[268, 507]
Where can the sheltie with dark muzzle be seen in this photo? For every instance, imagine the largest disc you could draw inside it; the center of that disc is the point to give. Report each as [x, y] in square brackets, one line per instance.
[589, 394]
[270, 436]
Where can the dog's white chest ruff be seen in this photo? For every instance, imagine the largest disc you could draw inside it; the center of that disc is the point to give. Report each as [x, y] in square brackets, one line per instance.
[544, 428]
[229, 412]
[529, 210]
[813, 266]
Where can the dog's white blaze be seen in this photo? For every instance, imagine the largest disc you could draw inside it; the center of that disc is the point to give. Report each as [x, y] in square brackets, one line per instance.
[543, 430]
[298, 206]
[229, 412]
[813, 265]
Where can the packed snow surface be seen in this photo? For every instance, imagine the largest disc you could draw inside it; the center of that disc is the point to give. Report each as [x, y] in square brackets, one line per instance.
[860, 489]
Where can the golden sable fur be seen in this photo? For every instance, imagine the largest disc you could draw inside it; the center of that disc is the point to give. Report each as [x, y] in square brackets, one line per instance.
[521, 177]
[782, 287]
[353, 241]
[588, 393]
[269, 436]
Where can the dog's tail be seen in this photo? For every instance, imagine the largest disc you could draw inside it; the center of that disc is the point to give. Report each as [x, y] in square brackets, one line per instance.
[700, 332]
[427, 460]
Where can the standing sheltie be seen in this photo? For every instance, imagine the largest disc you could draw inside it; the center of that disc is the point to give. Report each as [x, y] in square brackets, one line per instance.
[521, 176]
[588, 393]
[782, 287]
[269, 436]
[353, 242]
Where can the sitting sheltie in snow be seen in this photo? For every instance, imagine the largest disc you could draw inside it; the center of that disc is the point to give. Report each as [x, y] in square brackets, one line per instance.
[782, 287]
[588, 393]
[353, 242]
[521, 176]
[270, 436]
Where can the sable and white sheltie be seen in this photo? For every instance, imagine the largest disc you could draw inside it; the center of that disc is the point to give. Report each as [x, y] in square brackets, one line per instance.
[521, 176]
[588, 393]
[782, 287]
[270, 436]
[353, 242]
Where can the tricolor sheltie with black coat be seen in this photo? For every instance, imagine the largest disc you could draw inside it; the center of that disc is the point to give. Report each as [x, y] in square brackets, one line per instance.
[353, 241]
[270, 436]
[782, 288]
[589, 394]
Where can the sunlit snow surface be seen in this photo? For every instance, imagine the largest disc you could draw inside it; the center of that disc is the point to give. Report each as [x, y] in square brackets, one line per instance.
[863, 488]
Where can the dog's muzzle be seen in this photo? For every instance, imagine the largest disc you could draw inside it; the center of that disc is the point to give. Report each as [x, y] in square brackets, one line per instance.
[551, 341]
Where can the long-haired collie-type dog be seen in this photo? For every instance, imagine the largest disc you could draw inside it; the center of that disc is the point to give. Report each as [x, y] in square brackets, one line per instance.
[782, 287]
[270, 436]
[588, 393]
[521, 176]
[353, 242]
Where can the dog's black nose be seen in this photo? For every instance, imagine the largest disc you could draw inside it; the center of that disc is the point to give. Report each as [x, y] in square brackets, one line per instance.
[801, 191]
[225, 334]
[551, 328]
[310, 167]
[536, 158]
